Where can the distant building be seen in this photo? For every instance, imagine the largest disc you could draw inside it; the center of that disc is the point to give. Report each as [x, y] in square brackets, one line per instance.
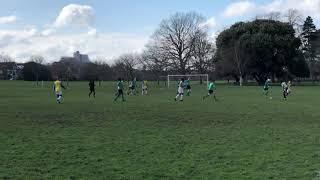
[83, 58]
[77, 58]
[72, 65]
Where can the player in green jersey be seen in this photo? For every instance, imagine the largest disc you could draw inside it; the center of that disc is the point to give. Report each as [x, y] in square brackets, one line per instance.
[266, 87]
[120, 90]
[211, 91]
[188, 86]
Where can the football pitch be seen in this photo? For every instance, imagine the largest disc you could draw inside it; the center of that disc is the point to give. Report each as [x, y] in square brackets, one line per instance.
[242, 136]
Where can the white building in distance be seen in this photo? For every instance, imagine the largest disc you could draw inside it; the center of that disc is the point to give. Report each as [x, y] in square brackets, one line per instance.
[83, 58]
[77, 58]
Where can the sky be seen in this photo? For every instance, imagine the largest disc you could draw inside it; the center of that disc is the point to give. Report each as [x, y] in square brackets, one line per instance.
[106, 29]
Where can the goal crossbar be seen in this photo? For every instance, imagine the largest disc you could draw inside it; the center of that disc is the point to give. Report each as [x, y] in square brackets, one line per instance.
[187, 75]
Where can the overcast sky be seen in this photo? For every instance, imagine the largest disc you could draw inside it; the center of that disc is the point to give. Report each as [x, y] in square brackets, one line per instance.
[108, 28]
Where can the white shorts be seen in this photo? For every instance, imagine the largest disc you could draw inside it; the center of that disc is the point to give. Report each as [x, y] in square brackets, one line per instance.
[144, 88]
[59, 93]
[180, 90]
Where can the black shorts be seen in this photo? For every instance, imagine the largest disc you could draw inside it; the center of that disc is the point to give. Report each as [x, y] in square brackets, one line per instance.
[132, 88]
[188, 87]
[92, 89]
[210, 91]
[120, 91]
[266, 89]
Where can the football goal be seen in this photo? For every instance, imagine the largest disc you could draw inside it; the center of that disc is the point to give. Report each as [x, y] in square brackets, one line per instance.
[193, 77]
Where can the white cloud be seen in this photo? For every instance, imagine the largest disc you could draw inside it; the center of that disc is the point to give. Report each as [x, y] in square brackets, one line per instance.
[48, 32]
[8, 19]
[92, 32]
[306, 7]
[11, 37]
[74, 14]
[239, 9]
[250, 8]
[210, 23]
[52, 42]
[22, 44]
[31, 32]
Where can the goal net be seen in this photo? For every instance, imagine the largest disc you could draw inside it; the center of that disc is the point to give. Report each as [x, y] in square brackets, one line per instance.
[195, 79]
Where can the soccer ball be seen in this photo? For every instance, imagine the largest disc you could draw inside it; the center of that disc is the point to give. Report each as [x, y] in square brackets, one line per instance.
[270, 97]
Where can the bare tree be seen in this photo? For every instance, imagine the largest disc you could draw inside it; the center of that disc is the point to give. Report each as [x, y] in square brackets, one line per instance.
[154, 60]
[104, 69]
[203, 53]
[100, 60]
[37, 59]
[240, 61]
[175, 39]
[232, 59]
[294, 18]
[127, 64]
[4, 58]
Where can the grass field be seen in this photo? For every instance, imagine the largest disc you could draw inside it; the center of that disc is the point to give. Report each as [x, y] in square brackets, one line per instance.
[242, 136]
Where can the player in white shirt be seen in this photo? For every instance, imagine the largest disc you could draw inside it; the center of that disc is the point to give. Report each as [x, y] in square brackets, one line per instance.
[180, 90]
[289, 88]
[284, 90]
[144, 88]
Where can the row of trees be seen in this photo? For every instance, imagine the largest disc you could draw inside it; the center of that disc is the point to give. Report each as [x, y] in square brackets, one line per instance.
[35, 70]
[269, 46]
[265, 47]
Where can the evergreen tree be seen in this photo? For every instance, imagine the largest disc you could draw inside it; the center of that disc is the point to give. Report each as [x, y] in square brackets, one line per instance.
[260, 49]
[307, 35]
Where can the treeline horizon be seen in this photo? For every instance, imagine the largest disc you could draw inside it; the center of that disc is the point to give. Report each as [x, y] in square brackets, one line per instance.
[272, 46]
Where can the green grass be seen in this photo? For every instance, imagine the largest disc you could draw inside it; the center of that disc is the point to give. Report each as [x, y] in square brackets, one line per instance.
[243, 136]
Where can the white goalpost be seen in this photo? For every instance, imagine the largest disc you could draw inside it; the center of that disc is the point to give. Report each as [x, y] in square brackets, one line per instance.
[206, 77]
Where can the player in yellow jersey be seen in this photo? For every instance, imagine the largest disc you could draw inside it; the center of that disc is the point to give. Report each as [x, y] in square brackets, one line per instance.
[57, 87]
